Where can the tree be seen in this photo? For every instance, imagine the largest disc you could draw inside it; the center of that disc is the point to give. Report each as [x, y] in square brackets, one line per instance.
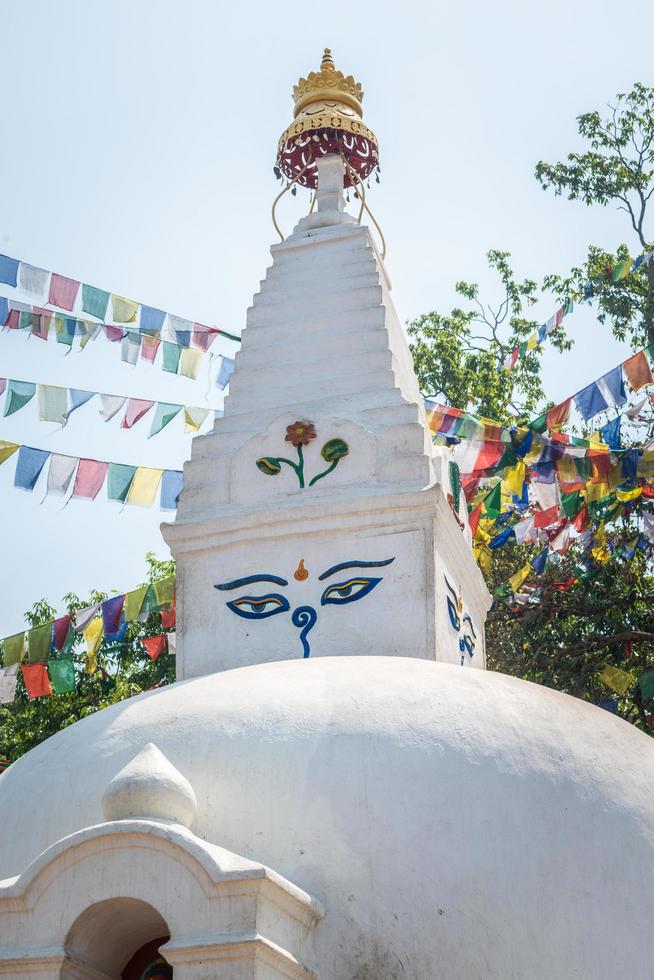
[124, 670]
[456, 355]
[616, 168]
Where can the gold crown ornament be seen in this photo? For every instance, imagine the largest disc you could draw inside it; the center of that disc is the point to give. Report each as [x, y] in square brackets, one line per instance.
[327, 119]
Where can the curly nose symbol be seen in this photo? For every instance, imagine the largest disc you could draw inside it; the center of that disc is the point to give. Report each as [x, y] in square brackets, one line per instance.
[304, 616]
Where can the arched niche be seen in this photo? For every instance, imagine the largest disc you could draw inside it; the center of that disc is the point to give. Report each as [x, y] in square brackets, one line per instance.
[105, 937]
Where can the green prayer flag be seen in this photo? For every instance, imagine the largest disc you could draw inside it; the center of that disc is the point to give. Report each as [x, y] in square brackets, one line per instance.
[164, 414]
[95, 301]
[53, 403]
[582, 466]
[19, 393]
[134, 602]
[571, 503]
[39, 641]
[171, 356]
[164, 590]
[493, 502]
[62, 333]
[455, 483]
[14, 647]
[646, 685]
[119, 480]
[62, 675]
[150, 602]
[539, 424]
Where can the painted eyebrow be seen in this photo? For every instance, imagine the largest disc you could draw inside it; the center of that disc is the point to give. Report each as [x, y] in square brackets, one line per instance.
[249, 579]
[353, 564]
[466, 619]
[452, 590]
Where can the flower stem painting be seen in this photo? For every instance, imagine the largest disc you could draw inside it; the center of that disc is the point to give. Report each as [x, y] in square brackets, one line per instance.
[299, 435]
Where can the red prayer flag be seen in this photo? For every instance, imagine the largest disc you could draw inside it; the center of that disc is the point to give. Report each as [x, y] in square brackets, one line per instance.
[13, 320]
[489, 455]
[203, 337]
[37, 682]
[149, 348]
[89, 479]
[114, 333]
[61, 628]
[136, 409]
[559, 415]
[63, 292]
[154, 645]
[544, 518]
[638, 370]
[169, 617]
[580, 520]
[564, 586]
[473, 519]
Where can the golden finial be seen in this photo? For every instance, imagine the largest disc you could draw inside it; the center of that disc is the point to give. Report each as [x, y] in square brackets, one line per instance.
[328, 119]
[300, 574]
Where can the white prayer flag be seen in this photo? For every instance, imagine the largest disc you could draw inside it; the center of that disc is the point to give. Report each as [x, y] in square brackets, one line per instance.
[8, 678]
[110, 405]
[62, 469]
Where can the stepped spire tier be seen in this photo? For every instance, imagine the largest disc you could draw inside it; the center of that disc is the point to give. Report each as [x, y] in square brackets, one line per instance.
[328, 118]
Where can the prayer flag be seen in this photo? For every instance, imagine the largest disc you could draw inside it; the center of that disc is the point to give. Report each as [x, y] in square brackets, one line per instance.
[516, 580]
[164, 589]
[14, 648]
[181, 330]
[193, 418]
[611, 386]
[95, 301]
[112, 610]
[524, 530]
[62, 675]
[8, 678]
[78, 397]
[149, 348]
[93, 637]
[63, 334]
[151, 318]
[638, 371]
[203, 337]
[19, 393]
[646, 685]
[648, 527]
[30, 463]
[119, 635]
[60, 474]
[227, 365]
[136, 409]
[60, 629]
[558, 415]
[618, 680]
[144, 486]
[590, 401]
[134, 602]
[39, 641]
[473, 519]
[89, 479]
[9, 270]
[545, 518]
[571, 503]
[130, 346]
[189, 362]
[37, 682]
[119, 481]
[7, 449]
[114, 334]
[493, 501]
[150, 604]
[171, 487]
[4, 310]
[111, 404]
[610, 433]
[33, 280]
[85, 616]
[538, 563]
[123, 310]
[53, 403]
[172, 643]
[63, 292]
[154, 645]
[171, 356]
[169, 617]
[165, 413]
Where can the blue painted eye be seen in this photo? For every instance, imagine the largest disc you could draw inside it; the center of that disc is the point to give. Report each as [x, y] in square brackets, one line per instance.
[469, 645]
[258, 607]
[455, 619]
[350, 591]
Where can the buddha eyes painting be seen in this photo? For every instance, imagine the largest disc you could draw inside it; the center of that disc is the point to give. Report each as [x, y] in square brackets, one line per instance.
[461, 622]
[340, 591]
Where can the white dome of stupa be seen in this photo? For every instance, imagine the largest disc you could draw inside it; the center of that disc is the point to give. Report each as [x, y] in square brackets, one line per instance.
[453, 823]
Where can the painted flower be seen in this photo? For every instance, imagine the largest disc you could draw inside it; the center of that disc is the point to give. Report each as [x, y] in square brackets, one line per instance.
[300, 433]
[334, 449]
[269, 465]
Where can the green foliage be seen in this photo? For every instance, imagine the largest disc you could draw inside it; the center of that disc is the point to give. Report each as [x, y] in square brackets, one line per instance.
[124, 670]
[456, 355]
[616, 168]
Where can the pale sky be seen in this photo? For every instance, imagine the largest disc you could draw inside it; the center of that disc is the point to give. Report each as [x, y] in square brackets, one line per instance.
[139, 143]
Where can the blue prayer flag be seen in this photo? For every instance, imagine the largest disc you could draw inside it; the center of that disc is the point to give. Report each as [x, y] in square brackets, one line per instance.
[183, 337]
[612, 384]
[4, 310]
[9, 270]
[539, 562]
[522, 448]
[609, 704]
[29, 465]
[610, 433]
[78, 397]
[500, 539]
[630, 464]
[171, 486]
[542, 333]
[152, 319]
[590, 401]
[226, 371]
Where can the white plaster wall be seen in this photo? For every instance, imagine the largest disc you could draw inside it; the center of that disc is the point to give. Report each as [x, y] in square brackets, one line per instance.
[454, 823]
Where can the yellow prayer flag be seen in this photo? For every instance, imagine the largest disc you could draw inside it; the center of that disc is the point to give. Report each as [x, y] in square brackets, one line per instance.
[625, 495]
[144, 486]
[123, 310]
[520, 576]
[618, 680]
[514, 479]
[133, 603]
[189, 362]
[193, 418]
[93, 637]
[597, 491]
[532, 341]
[483, 557]
[7, 449]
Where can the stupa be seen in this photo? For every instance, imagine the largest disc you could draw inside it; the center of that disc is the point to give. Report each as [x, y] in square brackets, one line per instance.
[328, 790]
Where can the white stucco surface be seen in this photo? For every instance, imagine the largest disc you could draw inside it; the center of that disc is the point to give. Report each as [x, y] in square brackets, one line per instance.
[453, 823]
